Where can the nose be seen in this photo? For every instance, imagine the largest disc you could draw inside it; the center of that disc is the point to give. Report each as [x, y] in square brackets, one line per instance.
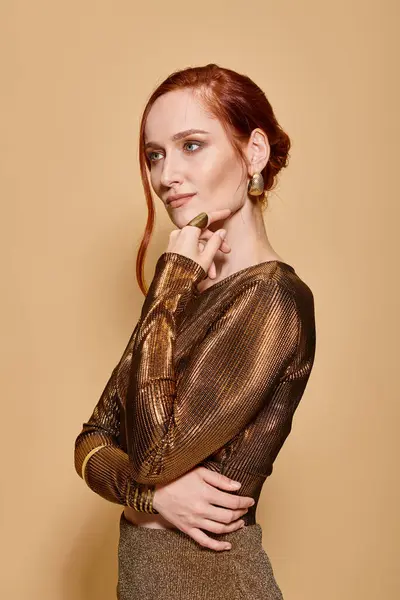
[171, 174]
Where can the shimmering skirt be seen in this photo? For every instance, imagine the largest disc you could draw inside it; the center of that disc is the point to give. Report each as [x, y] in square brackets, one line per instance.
[167, 564]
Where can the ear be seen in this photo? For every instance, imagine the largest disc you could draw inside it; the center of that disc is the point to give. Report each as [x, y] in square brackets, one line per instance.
[257, 151]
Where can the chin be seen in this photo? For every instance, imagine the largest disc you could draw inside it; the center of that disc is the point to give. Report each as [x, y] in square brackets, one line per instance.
[182, 215]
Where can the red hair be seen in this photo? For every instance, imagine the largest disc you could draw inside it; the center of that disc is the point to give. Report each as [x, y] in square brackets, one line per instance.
[241, 106]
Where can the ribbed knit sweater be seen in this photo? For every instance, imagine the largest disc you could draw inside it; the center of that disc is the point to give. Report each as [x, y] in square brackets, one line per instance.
[209, 378]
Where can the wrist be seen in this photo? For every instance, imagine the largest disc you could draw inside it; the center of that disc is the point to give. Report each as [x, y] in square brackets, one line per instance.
[155, 497]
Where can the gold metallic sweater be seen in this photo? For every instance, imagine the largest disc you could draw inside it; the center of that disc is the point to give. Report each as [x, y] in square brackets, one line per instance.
[208, 378]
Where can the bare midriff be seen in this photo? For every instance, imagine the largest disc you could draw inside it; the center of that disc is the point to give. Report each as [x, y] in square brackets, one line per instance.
[147, 520]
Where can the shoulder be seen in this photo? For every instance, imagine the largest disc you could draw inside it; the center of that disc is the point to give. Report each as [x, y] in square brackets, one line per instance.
[264, 281]
[276, 289]
[259, 299]
[282, 281]
[260, 284]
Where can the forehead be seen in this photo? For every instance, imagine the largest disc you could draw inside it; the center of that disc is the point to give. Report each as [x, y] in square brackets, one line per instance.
[177, 111]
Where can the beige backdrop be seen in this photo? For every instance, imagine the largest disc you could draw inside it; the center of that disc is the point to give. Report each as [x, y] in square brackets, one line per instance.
[76, 77]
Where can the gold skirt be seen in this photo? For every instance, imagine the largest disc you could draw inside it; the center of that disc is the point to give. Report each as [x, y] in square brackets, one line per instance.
[169, 565]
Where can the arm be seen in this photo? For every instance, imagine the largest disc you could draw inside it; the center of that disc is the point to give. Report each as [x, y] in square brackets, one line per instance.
[100, 460]
[171, 426]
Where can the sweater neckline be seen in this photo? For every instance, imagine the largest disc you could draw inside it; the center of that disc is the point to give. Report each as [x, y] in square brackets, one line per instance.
[244, 270]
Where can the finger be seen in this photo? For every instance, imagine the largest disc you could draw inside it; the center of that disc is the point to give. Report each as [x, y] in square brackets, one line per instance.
[220, 498]
[174, 233]
[212, 246]
[206, 234]
[227, 500]
[219, 480]
[203, 219]
[203, 539]
[212, 271]
[217, 215]
[216, 527]
[223, 515]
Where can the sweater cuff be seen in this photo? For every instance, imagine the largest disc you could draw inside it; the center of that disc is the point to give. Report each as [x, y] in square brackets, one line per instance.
[140, 497]
[176, 272]
[174, 283]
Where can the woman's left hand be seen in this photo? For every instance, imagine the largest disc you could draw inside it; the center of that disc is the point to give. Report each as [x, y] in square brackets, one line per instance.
[201, 245]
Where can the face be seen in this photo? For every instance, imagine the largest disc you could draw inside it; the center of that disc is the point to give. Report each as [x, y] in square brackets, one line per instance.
[203, 164]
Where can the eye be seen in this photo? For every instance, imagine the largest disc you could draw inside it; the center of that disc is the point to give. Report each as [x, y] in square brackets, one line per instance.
[191, 144]
[150, 154]
[151, 158]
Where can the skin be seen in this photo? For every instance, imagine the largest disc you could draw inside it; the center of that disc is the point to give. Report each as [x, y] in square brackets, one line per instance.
[204, 164]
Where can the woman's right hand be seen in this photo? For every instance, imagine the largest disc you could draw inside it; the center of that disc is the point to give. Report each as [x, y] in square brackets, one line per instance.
[188, 503]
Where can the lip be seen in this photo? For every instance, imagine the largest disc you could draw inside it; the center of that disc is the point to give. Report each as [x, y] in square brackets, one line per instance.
[178, 200]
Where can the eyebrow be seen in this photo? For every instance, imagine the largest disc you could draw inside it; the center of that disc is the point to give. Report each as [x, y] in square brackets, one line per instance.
[179, 136]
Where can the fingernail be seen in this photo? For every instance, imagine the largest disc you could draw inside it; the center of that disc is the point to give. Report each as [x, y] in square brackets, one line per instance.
[222, 233]
[236, 484]
[227, 547]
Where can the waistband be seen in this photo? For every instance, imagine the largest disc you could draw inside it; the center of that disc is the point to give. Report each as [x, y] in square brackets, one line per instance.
[247, 537]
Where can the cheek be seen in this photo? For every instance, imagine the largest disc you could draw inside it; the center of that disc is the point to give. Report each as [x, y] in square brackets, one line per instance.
[222, 175]
[211, 166]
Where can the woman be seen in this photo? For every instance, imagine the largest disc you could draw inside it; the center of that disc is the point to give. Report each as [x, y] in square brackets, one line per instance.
[205, 391]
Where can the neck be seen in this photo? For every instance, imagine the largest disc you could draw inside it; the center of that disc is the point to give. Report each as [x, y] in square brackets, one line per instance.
[247, 237]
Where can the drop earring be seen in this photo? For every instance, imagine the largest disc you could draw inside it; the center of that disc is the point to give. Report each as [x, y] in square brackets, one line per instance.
[256, 185]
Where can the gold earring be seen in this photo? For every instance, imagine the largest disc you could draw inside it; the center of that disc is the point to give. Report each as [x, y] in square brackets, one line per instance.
[256, 185]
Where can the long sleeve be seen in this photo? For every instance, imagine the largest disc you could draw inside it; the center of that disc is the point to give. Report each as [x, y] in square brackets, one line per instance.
[100, 460]
[172, 426]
